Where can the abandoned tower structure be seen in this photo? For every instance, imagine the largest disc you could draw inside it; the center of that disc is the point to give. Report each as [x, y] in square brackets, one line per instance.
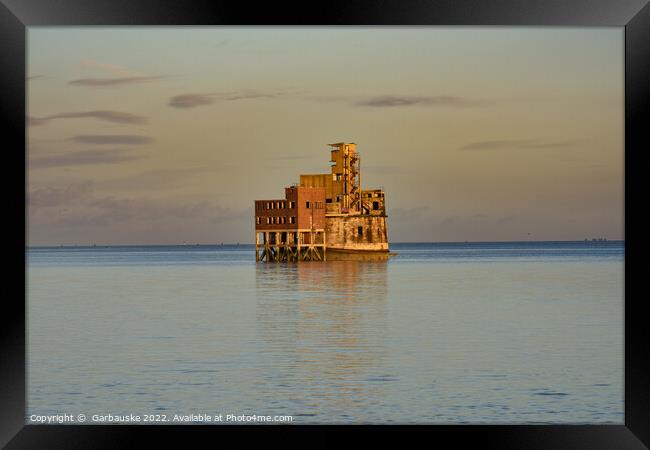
[324, 216]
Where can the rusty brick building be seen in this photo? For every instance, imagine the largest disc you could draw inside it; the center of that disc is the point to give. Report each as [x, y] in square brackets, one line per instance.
[325, 216]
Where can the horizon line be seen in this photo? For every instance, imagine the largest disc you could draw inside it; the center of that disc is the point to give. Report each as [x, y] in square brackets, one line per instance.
[252, 243]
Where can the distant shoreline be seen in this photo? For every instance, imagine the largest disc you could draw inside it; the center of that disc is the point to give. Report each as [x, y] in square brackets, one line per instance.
[245, 244]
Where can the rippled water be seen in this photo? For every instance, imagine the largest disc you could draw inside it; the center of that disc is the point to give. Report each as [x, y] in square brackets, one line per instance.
[440, 333]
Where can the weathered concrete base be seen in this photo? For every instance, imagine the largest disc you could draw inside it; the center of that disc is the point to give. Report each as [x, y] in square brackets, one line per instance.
[356, 232]
[334, 254]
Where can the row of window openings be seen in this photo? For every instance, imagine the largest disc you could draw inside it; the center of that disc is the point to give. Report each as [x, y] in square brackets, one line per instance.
[317, 205]
[275, 205]
[275, 220]
[375, 205]
[283, 205]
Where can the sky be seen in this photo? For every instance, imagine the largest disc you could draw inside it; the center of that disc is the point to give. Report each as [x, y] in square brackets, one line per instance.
[167, 135]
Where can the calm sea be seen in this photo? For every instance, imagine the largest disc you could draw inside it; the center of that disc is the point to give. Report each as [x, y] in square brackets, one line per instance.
[528, 332]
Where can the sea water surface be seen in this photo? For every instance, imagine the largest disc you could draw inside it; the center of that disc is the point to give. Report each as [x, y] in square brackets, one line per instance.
[518, 332]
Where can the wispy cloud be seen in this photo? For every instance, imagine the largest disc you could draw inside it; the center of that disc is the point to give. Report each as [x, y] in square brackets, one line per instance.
[201, 99]
[108, 116]
[35, 121]
[57, 195]
[121, 81]
[191, 100]
[113, 69]
[518, 144]
[114, 209]
[122, 139]
[156, 179]
[84, 157]
[79, 209]
[396, 101]
[391, 101]
[119, 76]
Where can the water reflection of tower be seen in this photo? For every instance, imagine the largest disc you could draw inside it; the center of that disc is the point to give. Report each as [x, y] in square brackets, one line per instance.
[321, 328]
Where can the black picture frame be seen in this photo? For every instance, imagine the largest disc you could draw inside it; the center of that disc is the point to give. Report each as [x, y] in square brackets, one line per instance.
[634, 15]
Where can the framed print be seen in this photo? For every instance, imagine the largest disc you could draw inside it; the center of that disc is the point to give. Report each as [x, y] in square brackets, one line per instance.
[424, 216]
